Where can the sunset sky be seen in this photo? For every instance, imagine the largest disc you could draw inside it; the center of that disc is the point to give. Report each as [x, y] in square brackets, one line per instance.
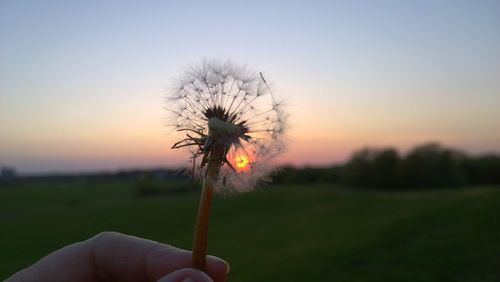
[83, 83]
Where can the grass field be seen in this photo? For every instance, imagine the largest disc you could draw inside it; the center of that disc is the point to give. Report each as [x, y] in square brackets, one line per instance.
[293, 233]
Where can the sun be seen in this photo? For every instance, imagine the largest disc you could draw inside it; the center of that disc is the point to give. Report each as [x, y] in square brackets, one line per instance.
[241, 162]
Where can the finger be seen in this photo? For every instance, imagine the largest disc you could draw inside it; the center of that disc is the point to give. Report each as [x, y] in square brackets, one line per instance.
[72, 263]
[118, 256]
[162, 259]
[186, 275]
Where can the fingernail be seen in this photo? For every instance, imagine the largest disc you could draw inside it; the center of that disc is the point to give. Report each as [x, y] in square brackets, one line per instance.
[186, 275]
[228, 267]
[223, 261]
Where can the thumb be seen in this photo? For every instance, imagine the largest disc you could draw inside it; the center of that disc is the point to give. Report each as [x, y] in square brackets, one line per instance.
[186, 275]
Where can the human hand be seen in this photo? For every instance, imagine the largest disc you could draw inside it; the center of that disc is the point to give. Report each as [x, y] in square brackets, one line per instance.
[111, 256]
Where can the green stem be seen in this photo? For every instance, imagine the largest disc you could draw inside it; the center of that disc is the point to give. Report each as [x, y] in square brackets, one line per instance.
[200, 240]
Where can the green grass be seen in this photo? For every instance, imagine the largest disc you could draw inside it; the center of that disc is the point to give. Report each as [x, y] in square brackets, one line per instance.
[295, 233]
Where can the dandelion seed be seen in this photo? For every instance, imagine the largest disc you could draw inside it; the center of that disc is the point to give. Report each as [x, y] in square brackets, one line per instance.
[223, 108]
[233, 127]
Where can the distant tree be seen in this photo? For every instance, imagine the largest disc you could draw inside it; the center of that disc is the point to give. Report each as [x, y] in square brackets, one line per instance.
[383, 168]
[430, 165]
[7, 173]
[357, 170]
[426, 166]
[483, 170]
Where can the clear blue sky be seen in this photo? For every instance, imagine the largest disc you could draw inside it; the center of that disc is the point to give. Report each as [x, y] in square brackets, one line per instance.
[82, 83]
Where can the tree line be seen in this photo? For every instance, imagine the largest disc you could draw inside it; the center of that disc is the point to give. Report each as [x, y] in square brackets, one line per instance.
[426, 166]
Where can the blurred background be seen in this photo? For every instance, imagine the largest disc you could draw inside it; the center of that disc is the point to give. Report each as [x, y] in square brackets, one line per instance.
[393, 166]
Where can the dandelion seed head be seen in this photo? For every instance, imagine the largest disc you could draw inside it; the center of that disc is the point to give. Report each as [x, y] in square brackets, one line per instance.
[227, 110]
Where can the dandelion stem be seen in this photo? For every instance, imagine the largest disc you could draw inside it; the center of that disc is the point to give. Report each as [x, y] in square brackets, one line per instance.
[200, 240]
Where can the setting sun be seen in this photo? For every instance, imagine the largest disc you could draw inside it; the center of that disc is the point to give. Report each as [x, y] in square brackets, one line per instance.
[241, 162]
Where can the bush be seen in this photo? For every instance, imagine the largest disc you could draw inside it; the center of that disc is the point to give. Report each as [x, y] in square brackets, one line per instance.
[147, 186]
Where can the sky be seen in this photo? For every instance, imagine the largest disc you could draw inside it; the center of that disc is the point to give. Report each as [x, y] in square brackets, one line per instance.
[83, 83]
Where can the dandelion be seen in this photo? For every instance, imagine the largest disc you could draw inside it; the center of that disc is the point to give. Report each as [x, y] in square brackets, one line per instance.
[233, 127]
